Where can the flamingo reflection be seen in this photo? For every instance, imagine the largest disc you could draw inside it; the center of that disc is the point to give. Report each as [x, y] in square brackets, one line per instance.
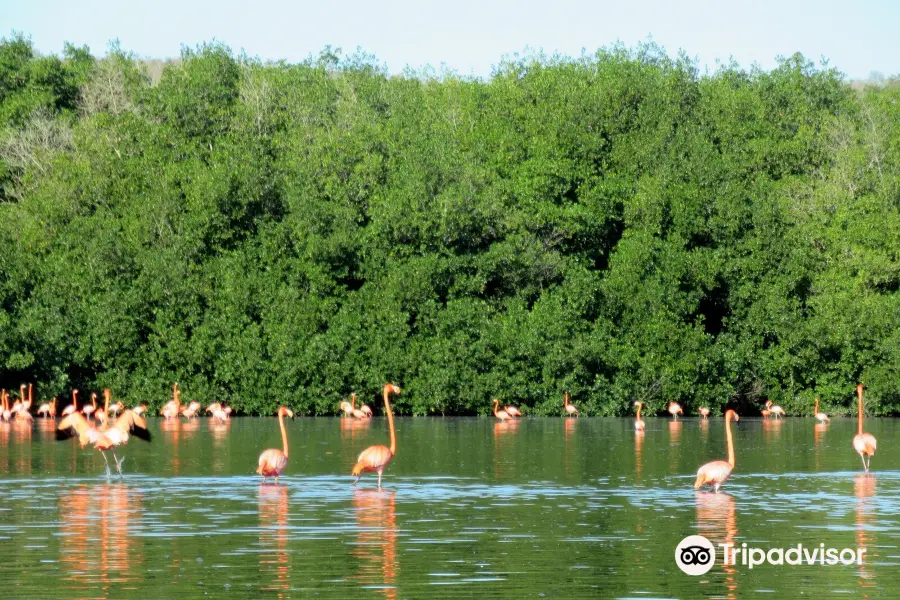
[638, 459]
[504, 431]
[864, 490]
[219, 432]
[274, 565]
[376, 542]
[570, 452]
[97, 526]
[675, 428]
[717, 522]
[171, 429]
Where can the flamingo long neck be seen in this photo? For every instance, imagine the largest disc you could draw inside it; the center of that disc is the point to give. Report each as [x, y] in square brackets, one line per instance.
[106, 393]
[640, 406]
[22, 393]
[284, 445]
[496, 403]
[859, 393]
[75, 400]
[566, 399]
[390, 416]
[816, 409]
[353, 401]
[730, 440]
[30, 393]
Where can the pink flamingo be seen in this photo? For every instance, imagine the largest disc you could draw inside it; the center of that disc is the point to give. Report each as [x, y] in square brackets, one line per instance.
[512, 411]
[570, 408]
[48, 409]
[90, 408]
[674, 409]
[775, 410]
[347, 407]
[503, 415]
[273, 461]
[820, 415]
[638, 422]
[376, 458]
[863, 443]
[72, 407]
[704, 412]
[363, 412]
[716, 472]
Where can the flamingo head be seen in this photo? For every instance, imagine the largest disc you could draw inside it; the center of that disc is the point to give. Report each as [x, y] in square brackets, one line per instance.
[768, 403]
[392, 388]
[638, 403]
[357, 469]
[284, 411]
[732, 415]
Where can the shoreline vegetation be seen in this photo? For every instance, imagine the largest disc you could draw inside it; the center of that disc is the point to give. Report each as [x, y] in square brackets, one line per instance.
[618, 226]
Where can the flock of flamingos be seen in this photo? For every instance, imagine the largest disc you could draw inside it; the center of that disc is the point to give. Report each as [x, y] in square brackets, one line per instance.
[111, 426]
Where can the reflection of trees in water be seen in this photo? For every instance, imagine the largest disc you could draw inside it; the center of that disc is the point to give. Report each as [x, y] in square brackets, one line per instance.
[273, 538]
[376, 542]
[717, 522]
[864, 490]
[97, 546]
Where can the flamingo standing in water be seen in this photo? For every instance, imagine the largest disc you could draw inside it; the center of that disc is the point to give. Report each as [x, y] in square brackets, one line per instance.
[863, 443]
[363, 412]
[765, 413]
[704, 412]
[72, 407]
[90, 408]
[512, 411]
[6, 414]
[117, 435]
[48, 409]
[363, 408]
[674, 409]
[820, 415]
[570, 408]
[716, 472]
[347, 407]
[376, 458]
[775, 410]
[139, 410]
[273, 461]
[638, 422]
[503, 415]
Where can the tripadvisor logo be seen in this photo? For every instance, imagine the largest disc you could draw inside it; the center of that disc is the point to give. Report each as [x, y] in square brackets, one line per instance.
[696, 555]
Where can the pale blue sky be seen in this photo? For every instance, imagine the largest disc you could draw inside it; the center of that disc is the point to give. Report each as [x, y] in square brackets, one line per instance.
[470, 36]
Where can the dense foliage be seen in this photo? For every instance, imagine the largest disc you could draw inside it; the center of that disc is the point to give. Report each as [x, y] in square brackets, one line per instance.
[619, 226]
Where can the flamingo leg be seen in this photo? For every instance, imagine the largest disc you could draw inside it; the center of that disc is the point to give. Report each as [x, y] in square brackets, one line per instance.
[106, 460]
[863, 457]
[355, 481]
[379, 479]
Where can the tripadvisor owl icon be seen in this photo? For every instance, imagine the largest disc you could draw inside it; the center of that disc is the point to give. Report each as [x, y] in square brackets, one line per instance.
[695, 555]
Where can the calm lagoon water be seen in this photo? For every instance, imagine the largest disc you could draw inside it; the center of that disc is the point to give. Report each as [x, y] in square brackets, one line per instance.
[471, 508]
